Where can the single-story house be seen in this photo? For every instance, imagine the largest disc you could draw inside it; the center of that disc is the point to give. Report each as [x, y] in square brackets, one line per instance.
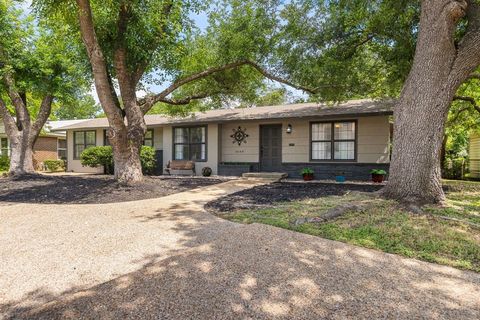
[50, 145]
[350, 138]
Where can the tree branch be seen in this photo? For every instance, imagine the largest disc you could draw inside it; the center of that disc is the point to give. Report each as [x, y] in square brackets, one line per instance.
[468, 59]
[474, 76]
[99, 67]
[147, 102]
[127, 87]
[8, 119]
[140, 69]
[457, 115]
[351, 52]
[186, 100]
[43, 114]
[21, 112]
[469, 100]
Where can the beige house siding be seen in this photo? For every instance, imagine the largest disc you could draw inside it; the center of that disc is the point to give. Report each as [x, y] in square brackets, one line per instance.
[474, 155]
[74, 165]
[373, 137]
[373, 140]
[246, 152]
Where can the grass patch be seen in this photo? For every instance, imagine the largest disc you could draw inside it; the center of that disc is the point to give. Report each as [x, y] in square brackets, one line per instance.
[386, 226]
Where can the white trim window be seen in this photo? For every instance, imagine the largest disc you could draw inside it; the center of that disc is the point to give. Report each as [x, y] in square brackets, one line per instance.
[190, 143]
[4, 147]
[62, 149]
[83, 140]
[334, 140]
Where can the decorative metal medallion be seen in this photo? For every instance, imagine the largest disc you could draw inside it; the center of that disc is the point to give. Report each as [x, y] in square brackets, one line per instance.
[239, 135]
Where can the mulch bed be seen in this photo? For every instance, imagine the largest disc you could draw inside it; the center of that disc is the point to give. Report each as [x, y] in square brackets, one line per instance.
[93, 189]
[268, 195]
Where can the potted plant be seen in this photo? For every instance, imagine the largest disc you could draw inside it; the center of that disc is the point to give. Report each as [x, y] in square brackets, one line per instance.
[307, 174]
[206, 171]
[378, 175]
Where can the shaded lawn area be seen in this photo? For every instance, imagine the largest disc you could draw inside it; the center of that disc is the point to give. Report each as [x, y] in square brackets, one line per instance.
[93, 188]
[382, 225]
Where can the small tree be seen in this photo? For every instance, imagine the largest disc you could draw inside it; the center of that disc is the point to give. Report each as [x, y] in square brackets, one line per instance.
[36, 67]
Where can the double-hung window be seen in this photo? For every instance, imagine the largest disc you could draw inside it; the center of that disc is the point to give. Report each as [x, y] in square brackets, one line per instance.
[3, 147]
[148, 140]
[190, 143]
[62, 149]
[333, 140]
[83, 140]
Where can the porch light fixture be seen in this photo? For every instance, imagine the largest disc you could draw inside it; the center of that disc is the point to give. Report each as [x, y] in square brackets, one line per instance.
[289, 128]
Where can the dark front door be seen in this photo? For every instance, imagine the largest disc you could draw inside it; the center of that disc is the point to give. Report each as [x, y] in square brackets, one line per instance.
[270, 147]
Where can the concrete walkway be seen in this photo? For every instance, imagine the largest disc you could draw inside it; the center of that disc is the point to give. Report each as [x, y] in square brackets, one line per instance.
[167, 258]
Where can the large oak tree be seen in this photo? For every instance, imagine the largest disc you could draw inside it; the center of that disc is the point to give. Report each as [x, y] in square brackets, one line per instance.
[443, 61]
[420, 51]
[132, 43]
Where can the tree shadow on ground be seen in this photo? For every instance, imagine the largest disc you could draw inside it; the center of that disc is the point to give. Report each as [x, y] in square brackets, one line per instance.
[232, 271]
[93, 188]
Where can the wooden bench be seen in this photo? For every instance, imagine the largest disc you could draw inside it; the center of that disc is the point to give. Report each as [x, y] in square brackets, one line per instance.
[180, 165]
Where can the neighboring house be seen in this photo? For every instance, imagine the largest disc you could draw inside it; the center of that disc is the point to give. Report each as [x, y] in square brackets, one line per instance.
[474, 155]
[49, 145]
[351, 138]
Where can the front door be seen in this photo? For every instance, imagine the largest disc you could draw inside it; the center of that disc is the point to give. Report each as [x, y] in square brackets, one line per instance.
[270, 147]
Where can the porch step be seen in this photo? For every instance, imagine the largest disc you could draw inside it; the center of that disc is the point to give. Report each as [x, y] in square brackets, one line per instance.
[277, 176]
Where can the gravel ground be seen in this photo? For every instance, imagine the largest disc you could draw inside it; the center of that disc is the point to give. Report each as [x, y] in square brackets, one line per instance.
[285, 191]
[167, 258]
[93, 188]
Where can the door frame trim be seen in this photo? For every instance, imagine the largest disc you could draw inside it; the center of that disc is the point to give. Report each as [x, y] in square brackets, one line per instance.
[260, 142]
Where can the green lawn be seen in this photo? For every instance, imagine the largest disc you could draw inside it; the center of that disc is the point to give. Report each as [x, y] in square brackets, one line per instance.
[387, 227]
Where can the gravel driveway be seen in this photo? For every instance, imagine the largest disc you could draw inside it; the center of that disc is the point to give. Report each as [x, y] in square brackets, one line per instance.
[167, 258]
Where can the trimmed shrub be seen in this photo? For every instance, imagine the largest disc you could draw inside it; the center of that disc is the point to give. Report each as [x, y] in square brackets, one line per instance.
[98, 156]
[54, 165]
[103, 156]
[4, 163]
[147, 158]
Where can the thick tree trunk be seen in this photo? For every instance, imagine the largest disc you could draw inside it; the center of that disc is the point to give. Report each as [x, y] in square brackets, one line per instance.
[128, 168]
[21, 156]
[126, 156]
[126, 138]
[415, 174]
[421, 112]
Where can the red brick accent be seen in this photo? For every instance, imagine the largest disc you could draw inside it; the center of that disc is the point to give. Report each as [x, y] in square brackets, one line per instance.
[45, 148]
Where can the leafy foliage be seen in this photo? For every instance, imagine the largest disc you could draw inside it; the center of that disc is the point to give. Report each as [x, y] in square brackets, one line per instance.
[54, 165]
[103, 156]
[378, 171]
[82, 107]
[42, 58]
[307, 171]
[147, 159]
[4, 163]
[98, 156]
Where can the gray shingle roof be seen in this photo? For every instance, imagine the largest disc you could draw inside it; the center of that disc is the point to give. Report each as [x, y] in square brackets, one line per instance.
[302, 110]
